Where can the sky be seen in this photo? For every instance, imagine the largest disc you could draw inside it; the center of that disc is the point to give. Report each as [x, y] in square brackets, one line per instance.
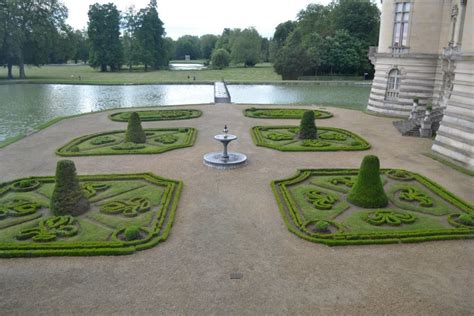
[198, 17]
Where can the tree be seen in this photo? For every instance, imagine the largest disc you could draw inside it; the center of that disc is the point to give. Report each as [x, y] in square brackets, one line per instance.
[68, 197]
[368, 190]
[247, 47]
[265, 50]
[227, 39]
[150, 34]
[82, 47]
[361, 18]
[342, 53]
[28, 29]
[307, 127]
[220, 58]
[316, 18]
[292, 60]
[188, 45]
[104, 37]
[135, 133]
[131, 46]
[282, 31]
[207, 42]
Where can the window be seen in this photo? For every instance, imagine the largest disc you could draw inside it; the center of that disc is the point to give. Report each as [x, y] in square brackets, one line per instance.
[393, 84]
[401, 27]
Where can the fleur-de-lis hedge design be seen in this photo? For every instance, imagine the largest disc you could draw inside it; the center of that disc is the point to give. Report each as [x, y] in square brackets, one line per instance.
[17, 207]
[412, 194]
[166, 139]
[128, 208]
[25, 185]
[90, 189]
[347, 181]
[279, 136]
[333, 136]
[314, 143]
[51, 228]
[382, 217]
[320, 200]
[400, 175]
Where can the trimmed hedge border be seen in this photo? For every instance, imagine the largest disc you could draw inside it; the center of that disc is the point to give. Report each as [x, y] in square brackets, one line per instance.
[295, 224]
[68, 149]
[259, 140]
[159, 231]
[290, 113]
[157, 115]
[8, 141]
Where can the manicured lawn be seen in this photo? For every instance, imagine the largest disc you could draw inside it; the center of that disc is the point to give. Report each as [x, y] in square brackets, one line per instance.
[314, 206]
[143, 202]
[83, 74]
[158, 140]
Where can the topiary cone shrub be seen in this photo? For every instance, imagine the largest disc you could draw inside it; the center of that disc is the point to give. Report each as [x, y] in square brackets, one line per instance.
[307, 127]
[68, 198]
[135, 133]
[368, 190]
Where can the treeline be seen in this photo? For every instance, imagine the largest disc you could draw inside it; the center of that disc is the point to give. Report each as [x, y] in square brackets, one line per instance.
[232, 46]
[332, 39]
[34, 32]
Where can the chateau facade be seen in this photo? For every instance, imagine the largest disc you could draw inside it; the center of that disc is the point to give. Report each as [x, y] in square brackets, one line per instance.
[426, 51]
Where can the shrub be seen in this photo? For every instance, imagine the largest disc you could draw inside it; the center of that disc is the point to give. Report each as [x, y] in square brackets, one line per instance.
[68, 198]
[220, 59]
[322, 226]
[307, 126]
[132, 233]
[368, 190]
[466, 219]
[135, 133]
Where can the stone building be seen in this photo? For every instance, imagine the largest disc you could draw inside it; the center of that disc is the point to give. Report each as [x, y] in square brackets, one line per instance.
[426, 51]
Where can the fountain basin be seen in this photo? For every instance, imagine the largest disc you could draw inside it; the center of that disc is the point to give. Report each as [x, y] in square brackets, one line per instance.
[217, 160]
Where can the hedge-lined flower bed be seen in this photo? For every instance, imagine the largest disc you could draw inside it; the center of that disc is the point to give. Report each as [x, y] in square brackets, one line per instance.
[157, 115]
[128, 213]
[271, 113]
[158, 140]
[315, 207]
[285, 138]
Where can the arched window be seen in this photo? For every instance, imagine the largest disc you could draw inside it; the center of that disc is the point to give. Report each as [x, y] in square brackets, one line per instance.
[393, 84]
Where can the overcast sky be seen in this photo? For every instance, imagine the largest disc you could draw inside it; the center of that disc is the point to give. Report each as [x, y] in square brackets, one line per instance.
[198, 17]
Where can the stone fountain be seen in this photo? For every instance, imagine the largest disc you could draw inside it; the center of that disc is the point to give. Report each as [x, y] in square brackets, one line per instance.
[224, 159]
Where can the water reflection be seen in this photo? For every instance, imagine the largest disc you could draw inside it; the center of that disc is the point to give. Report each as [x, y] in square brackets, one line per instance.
[25, 106]
[187, 66]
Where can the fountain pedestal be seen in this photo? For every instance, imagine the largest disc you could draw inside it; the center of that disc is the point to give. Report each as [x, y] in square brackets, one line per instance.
[224, 159]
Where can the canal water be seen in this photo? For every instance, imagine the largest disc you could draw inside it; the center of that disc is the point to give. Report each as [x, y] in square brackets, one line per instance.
[25, 106]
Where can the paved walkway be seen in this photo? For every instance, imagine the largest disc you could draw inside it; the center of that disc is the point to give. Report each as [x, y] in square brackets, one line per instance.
[228, 221]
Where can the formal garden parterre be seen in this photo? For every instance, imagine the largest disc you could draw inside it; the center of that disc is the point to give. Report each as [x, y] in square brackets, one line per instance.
[285, 138]
[157, 115]
[124, 213]
[279, 113]
[323, 205]
[158, 140]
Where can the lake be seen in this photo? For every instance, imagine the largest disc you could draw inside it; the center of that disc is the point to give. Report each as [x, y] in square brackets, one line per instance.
[25, 106]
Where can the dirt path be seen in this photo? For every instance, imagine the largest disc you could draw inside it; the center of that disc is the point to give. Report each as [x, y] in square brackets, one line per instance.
[228, 221]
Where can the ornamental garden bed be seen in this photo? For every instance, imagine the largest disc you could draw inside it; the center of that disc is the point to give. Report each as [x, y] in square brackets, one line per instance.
[264, 113]
[314, 205]
[158, 140]
[127, 213]
[285, 138]
[157, 115]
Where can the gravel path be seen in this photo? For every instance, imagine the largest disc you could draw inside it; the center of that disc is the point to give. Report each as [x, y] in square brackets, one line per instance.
[228, 221]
